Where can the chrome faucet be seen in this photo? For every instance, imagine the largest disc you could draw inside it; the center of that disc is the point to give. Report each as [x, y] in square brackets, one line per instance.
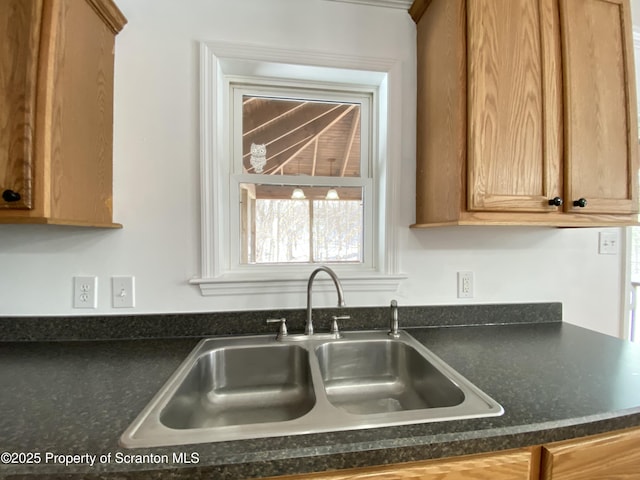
[308, 329]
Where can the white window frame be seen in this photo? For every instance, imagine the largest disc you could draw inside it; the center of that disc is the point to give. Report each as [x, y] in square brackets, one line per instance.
[221, 66]
[630, 302]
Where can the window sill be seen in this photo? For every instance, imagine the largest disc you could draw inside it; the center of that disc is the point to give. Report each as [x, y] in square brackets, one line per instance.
[254, 285]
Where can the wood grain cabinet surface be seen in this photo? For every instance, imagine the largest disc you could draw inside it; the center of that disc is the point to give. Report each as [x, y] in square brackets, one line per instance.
[608, 456]
[56, 111]
[510, 465]
[526, 113]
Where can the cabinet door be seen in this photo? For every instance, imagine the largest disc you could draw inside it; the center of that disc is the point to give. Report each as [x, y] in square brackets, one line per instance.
[600, 106]
[601, 457]
[20, 22]
[513, 105]
[513, 465]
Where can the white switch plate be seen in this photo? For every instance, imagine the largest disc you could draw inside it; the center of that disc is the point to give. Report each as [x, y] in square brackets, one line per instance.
[608, 243]
[123, 293]
[465, 284]
[85, 292]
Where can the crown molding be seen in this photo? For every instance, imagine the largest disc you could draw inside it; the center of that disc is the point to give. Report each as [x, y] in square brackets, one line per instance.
[110, 14]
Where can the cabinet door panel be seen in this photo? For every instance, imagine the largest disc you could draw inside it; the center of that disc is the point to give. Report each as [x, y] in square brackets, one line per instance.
[512, 465]
[606, 456]
[512, 100]
[20, 22]
[82, 139]
[600, 119]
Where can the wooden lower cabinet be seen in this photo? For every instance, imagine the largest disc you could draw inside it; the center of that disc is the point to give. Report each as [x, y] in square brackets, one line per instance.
[608, 456]
[519, 464]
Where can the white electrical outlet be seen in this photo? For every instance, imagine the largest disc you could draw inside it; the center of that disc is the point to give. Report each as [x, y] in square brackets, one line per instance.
[123, 292]
[465, 284]
[85, 292]
[608, 243]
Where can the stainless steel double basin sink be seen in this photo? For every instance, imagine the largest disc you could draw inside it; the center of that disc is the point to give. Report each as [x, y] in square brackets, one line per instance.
[250, 387]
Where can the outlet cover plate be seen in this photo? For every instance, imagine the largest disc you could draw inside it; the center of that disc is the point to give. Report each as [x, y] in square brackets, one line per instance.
[85, 292]
[465, 284]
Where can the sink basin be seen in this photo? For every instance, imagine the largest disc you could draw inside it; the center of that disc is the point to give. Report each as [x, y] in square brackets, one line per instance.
[232, 388]
[383, 376]
[236, 386]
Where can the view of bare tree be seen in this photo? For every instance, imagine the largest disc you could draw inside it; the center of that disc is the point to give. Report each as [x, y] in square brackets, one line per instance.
[284, 233]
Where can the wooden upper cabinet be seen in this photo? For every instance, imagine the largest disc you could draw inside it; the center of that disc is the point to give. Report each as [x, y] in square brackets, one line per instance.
[512, 162]
[600, 124]
[20, 23]
[56, 111]
[523, 107]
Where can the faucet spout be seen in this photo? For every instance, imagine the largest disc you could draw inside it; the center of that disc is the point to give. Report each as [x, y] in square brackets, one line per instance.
[308, 329]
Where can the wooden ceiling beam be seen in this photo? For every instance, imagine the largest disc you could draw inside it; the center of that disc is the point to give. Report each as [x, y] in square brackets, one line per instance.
[316, 136]
[315, 158]
[274, 119]
[277, 166]
[352, 135]
[304, 122]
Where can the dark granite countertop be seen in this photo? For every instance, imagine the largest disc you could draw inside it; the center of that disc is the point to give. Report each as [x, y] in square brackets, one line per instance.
[554, 380]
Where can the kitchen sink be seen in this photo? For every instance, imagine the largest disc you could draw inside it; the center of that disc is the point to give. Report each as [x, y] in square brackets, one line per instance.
[236, 386]
[233, 388]
[382, 376]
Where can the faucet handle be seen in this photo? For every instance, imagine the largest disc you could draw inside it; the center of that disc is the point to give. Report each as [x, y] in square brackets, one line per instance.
[282, 331]
[334, 324]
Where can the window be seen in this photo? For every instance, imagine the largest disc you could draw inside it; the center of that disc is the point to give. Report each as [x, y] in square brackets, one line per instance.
[303, 171]
[633, 258]
[295, 169]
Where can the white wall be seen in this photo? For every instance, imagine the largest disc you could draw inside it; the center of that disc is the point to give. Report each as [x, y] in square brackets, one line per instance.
[156, 186]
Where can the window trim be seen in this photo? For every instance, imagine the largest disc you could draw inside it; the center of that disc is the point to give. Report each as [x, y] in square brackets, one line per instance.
[630, 307]
[220, 65]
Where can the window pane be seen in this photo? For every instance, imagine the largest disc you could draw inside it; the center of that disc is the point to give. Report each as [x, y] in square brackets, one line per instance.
[277, 228]
[282, 231]
[337, 230]
[282, 136]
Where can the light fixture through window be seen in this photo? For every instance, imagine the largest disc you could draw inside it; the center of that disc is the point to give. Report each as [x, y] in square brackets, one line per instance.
[298, 194]
[332, 193]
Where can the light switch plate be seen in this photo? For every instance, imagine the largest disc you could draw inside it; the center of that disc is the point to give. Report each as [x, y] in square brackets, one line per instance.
[608, 243]
[123, 292]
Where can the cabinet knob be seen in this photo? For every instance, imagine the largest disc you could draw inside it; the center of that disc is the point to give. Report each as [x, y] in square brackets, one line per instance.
[10, 196]
[556, 201]
[581, 202]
